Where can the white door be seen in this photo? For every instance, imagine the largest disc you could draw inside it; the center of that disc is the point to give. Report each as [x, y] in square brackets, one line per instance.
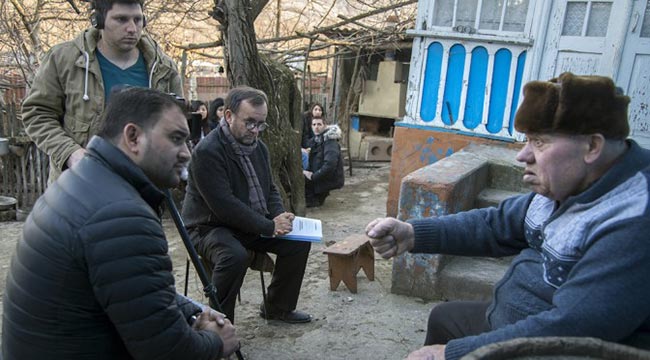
[634, 72]
[584, 37]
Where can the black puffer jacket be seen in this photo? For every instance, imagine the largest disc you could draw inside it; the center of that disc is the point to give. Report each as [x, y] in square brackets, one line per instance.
[91, 277]
[325, 161]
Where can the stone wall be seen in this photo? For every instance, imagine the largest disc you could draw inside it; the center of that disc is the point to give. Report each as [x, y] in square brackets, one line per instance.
[452, 185]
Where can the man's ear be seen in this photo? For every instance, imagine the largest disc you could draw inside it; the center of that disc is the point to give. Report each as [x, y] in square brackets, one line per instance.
[131, 136]
[596, 143]
[227, 114]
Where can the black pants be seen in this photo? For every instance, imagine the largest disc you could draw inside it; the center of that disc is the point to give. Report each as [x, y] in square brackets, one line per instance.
[456, 319]
[311, 197]
[226, 251]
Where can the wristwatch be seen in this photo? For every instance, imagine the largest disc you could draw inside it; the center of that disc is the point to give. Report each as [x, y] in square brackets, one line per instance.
[192, 319]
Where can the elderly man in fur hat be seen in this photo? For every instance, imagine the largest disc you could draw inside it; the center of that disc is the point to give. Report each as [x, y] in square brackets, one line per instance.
[581, 237]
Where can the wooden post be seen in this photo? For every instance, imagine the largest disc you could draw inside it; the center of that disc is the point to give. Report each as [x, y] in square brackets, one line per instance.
[348, 101]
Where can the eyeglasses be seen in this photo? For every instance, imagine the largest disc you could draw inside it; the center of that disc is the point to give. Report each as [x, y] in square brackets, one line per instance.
[250, 125]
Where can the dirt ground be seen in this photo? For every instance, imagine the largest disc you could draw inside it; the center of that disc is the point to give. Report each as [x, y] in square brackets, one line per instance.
[372, 324]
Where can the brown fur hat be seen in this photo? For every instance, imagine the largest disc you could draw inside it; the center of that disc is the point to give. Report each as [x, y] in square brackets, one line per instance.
[574, 105]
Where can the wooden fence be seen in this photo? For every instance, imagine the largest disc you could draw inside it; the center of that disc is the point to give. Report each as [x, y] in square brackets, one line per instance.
[24, 171]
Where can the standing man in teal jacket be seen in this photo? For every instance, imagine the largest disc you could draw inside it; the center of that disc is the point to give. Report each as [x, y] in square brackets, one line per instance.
[71, 89]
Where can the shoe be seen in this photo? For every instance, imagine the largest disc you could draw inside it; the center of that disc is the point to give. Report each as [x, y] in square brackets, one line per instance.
[291, 317]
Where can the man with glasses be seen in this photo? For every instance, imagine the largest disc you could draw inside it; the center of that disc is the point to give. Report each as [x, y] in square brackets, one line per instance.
[231, 202]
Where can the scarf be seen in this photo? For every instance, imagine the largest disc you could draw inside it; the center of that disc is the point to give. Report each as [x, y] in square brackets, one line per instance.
[243, 152]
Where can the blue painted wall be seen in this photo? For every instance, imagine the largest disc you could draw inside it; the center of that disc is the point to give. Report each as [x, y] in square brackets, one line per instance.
[476, 88]
[477, 80]
[453, 84]
[521, 61]
[431, 82]
[499, 90]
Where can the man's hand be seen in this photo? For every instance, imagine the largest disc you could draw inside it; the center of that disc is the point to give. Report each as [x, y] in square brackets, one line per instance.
[75, 157]
[307, 174]
[283, 223]
[217, 323]
[390, 237]
[213, 315]
[431, 352]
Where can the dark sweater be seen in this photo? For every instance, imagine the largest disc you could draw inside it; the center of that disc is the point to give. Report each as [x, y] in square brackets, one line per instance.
[581, 270]
[91, 277]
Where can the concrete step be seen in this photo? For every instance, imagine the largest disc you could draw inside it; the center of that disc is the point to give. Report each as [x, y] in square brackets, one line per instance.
[477, 176]
[492, 197]
[470, 278]
[473, 278]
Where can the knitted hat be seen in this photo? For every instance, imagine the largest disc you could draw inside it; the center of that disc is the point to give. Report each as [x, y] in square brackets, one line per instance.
[575, 105]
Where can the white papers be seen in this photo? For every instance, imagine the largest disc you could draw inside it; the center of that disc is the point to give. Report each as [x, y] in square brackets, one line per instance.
[305, 229]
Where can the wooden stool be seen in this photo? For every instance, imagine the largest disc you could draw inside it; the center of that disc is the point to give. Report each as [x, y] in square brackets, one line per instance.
[346, 258]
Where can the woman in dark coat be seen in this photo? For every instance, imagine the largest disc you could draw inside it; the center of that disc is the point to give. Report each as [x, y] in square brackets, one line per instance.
[200, 108]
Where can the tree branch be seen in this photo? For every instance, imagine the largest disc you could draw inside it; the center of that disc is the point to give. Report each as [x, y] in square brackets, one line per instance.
[256, 7]
[307, 34]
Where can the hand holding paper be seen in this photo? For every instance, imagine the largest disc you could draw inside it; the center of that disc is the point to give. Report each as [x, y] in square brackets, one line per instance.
[283, 223]
[304, 229]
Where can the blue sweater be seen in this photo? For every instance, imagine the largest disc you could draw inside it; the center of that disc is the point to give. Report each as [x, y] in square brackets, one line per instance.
[581, 268]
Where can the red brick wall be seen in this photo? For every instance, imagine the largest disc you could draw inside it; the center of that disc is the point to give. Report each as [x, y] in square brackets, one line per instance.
[208, 88]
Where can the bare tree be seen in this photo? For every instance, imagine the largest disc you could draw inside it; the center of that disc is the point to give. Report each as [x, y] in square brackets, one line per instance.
[245, 66]
[296, 33]
[27, 30]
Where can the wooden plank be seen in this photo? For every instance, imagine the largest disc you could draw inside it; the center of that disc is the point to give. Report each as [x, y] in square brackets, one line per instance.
[40, 176]
[23, 174]
[16, 177]
[348, 246]
[33, 194]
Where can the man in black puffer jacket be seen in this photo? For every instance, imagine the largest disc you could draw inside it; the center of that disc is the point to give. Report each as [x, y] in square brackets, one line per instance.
[325, 171]
[91, 277]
